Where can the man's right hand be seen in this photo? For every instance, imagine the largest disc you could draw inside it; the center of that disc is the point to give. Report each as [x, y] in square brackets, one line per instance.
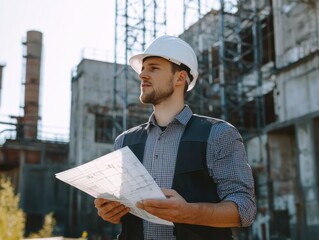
[110, 211]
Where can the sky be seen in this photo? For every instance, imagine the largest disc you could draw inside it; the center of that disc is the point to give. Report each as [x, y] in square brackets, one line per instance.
[69, 27]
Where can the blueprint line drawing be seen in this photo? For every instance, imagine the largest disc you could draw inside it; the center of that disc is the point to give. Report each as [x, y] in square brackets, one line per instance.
[117, 176]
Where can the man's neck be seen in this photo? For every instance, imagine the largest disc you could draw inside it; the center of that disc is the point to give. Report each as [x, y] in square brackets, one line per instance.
[166, 112]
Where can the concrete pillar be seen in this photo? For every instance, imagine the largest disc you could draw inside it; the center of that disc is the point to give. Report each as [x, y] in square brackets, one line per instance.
[307, 173]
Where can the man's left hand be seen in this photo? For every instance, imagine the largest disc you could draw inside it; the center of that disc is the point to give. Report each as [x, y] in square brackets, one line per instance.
[174, 208]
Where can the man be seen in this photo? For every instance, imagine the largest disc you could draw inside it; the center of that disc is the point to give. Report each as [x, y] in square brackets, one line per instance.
[199, 162]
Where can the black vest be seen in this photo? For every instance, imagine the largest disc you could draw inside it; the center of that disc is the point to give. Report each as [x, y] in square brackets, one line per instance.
[191, 180]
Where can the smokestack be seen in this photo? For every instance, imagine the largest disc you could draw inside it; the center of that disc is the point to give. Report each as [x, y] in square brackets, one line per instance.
[32, 84]
[1, 69]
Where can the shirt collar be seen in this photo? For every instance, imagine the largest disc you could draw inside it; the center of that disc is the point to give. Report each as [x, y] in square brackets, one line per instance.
[183, 117]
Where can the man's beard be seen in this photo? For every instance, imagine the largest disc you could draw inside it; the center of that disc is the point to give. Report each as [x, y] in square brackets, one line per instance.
[156, 98]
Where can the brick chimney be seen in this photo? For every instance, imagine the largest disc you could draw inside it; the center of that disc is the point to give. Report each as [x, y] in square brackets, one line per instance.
[32, 84]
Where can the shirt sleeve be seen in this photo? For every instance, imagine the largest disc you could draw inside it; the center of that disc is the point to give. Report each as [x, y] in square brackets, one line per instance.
[228, 166]
[118, 143]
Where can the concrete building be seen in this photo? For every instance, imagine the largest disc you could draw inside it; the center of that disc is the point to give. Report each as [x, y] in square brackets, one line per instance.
[95, 115]
[31, 162]
[284, 150]
[286, 155]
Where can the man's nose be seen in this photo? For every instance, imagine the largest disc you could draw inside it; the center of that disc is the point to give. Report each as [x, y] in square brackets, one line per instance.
[142, 75]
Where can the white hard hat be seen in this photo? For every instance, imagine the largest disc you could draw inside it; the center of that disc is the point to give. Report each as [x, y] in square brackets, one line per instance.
[173, 49]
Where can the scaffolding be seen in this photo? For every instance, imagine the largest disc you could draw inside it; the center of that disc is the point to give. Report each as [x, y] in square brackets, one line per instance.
[233, 40]
[241, 54]
[230, 45]
[194, 10]
[137, 22]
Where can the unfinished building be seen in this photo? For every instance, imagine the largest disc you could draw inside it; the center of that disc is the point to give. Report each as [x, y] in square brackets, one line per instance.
[259, 70]
[30, 162]
[91, 129]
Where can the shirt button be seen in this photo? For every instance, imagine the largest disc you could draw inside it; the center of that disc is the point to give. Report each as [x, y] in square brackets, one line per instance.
[156, 156]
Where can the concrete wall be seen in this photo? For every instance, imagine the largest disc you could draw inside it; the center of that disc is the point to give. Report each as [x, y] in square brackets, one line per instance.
[291, 157]
[296, 30]
[92, 92]
[32, 164]
[297, 88]
[203, 34]
[89, 86]
[257, 155]
[297, 102]
[296, 38]
[307, 172]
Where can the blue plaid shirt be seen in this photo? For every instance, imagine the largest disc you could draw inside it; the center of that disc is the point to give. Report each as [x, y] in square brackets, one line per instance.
[226, 161]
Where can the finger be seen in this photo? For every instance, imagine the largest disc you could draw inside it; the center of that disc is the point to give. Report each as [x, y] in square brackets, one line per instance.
[169, 192]
[100, 201]
[113, 215]
[153, 203]
[108, 207]
[140, 204]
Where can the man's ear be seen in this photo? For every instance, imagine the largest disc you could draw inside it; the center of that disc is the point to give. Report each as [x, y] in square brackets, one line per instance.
[182, 76]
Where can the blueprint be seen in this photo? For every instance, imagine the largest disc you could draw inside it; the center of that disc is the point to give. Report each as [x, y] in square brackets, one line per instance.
[117, 176]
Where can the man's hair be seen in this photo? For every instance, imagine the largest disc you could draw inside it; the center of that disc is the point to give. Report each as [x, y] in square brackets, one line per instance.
[179, 68]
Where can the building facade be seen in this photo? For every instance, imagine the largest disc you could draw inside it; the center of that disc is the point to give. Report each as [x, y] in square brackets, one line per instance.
[283, 150]
[30, 162]
[96, 119]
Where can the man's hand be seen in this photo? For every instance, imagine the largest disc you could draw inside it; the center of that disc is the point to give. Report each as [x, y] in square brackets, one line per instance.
[110, 211]
[174, 208]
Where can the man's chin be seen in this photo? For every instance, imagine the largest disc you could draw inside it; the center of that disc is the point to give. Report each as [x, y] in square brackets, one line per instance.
[145, 103]
[145, 99]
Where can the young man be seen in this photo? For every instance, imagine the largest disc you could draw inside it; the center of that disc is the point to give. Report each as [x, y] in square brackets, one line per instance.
[199, 162]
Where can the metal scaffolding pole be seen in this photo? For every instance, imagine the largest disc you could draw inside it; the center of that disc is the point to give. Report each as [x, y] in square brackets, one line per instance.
[230, 82]
[222, 64]
[191, 12]
[257, 42]
[197, 34]
[137, 22]
[240, 48]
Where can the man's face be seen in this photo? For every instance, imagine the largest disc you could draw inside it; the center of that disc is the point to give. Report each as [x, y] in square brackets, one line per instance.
[156, 81]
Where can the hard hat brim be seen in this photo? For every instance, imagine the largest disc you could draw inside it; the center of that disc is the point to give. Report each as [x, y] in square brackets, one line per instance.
[136, 63]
